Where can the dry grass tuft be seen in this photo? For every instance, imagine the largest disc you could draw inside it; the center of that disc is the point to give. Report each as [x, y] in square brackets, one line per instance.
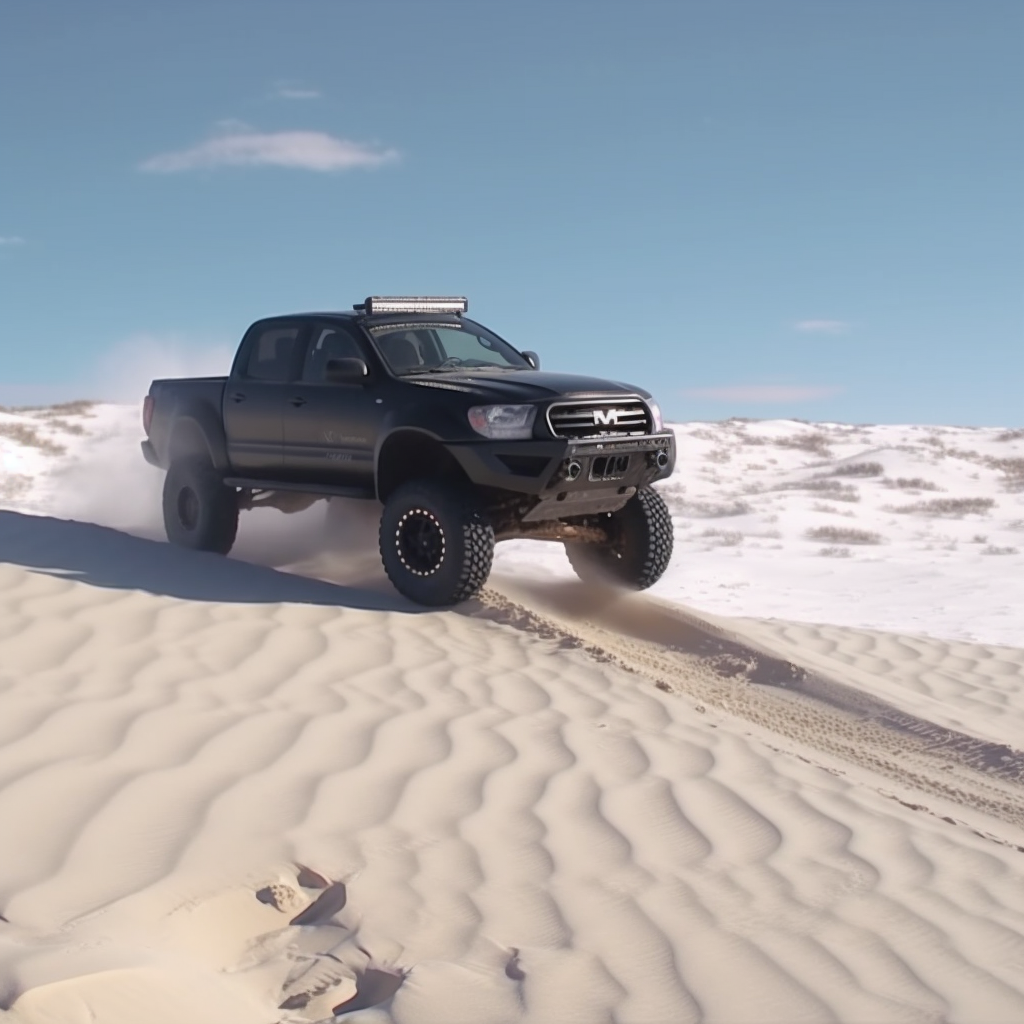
[911, 483]
[821, 506]
[993, 550]
[832, 489]
[859, 469]
[843, 535]
[14, 485]
[1014, 470]
[834, 552]
[28, 436]
[817, 443]
[1011, 435]
[947, 507]
[66, 426]
[724, 538]
[714, 510]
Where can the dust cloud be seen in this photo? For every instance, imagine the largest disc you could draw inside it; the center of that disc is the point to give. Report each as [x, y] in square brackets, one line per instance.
[106, 481]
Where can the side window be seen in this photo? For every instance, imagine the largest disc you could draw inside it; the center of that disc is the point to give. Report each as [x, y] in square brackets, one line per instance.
[333, 342]
[270, 357]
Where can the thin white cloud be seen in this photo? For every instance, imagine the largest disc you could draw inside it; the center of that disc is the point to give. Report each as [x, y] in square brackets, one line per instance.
[822, 326]
[766, 393]
[237, 147]
[11, 240]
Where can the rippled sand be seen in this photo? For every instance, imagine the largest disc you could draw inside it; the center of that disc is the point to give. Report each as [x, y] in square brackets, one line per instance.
[230, 794]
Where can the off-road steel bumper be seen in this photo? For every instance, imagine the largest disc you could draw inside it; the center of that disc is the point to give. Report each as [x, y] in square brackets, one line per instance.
[561, 478]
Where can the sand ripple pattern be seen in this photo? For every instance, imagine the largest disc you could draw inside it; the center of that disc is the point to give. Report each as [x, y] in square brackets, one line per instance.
[277, 812]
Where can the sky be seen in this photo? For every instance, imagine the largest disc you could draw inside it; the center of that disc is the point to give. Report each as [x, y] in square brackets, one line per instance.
[753, 208]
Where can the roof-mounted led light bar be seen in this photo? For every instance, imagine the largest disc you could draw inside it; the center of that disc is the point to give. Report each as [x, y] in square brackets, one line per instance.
[414, 304]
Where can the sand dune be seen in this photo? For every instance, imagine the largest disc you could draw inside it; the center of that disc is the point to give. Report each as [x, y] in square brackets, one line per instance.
[230, 793]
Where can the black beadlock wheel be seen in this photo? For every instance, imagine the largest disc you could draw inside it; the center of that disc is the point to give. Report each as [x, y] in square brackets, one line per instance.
[435, 542]
[639, 547]
[199, 511]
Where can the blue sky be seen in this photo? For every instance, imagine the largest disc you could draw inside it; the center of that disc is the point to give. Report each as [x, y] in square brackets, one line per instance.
[760, 208]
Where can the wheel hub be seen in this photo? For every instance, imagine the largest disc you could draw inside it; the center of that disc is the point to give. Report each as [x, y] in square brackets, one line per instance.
[188, 508]
[420, 542]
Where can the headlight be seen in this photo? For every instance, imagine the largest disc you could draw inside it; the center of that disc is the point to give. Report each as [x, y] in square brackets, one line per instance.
[503, 422]
[657, 423]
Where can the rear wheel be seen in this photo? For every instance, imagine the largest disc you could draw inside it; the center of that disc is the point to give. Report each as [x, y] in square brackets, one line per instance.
[199, 511]
[435, 542]
[639, 547]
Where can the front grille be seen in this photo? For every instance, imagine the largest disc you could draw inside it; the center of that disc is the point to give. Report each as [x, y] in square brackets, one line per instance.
[599, 418]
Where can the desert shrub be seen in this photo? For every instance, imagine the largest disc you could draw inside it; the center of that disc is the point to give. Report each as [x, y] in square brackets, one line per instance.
[832, 489]
[820, 506]
[80, 407]
[817, 443]
[67, 426]
[992, 549]
[725, 538]
[14, 485]
[719, 455]
[859, 469]
[843, 535]
[1014, 470]
[1011, 435]
[27, 435]
[715, 510]
[834, 552]
[949, 507]
[911, 483]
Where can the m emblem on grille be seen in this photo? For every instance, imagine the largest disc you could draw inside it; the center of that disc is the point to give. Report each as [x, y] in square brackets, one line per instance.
[606, 417]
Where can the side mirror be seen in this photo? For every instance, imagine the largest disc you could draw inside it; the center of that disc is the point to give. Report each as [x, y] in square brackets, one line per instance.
[533, 359]
[346, 371]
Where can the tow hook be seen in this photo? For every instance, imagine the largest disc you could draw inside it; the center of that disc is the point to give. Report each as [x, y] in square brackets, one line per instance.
[573, 470]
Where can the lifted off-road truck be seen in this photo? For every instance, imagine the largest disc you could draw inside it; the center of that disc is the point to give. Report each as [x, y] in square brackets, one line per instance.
[406, 401]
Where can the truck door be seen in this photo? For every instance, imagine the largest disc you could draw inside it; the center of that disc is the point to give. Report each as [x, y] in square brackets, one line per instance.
[255, 396]
[330, 429]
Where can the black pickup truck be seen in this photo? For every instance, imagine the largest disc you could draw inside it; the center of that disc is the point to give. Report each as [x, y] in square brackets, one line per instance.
[406, 401]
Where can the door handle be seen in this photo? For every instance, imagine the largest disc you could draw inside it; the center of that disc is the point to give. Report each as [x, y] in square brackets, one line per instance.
[298, 401]
[238, 397]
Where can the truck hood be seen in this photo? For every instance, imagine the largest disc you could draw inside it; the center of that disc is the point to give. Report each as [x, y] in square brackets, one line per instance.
[524, 385]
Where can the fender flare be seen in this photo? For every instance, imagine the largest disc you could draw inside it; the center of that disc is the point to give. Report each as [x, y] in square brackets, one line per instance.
[198, 431]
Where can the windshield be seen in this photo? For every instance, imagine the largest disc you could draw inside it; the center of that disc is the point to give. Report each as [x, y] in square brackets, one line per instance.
[440, 348]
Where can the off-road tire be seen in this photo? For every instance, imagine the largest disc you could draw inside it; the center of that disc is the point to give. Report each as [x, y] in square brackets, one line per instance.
[639, 548]
[435, 542]
[199, 511]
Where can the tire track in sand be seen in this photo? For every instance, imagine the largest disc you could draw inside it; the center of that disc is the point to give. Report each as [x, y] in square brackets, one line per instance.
[684, 654]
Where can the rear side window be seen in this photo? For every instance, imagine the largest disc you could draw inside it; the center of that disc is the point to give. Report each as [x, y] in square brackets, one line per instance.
[271, 353]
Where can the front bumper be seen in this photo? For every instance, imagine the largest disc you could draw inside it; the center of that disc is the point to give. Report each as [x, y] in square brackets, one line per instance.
[569, 477]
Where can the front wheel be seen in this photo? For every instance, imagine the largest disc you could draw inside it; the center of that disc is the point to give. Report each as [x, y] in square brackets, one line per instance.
[435, 542]
[639, 545]
[199, 511]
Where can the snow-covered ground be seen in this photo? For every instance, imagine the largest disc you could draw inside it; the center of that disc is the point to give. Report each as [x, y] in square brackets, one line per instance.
[915, 529]
[785, 788]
